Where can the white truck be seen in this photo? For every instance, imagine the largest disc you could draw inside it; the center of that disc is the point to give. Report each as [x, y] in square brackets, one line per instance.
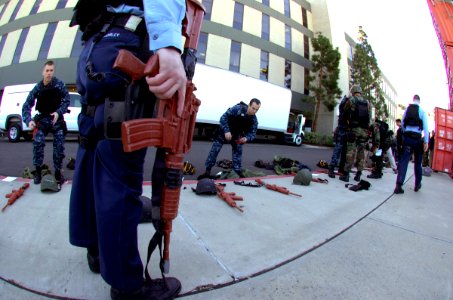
[219, 89]
[11, 102]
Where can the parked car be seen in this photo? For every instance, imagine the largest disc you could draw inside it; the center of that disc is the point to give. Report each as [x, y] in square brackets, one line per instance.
[11, 102]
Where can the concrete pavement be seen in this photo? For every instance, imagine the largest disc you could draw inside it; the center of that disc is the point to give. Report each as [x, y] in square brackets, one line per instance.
[332, 243]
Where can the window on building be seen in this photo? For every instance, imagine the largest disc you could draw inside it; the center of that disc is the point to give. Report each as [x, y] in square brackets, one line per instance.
[35, 8]
[45, 46]
[202, 46]
[265, 27]
[20, 45]
[61, 4]
[235, 56]
[2, 43]
[2, 10]
[304, 18]
[238, 15]
[266, 2]
[16, 10]
[306, 82]
[287, 8]
[264, 65]
[287, 37]
[288, 73]
[77, 46]
[306, 47]
[208, 6]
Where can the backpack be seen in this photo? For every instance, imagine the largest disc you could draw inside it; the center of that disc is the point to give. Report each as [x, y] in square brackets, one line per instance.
[360, 116]
[412, 117]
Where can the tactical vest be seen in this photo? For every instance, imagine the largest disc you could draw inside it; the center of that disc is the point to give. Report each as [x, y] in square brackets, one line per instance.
[360, 116]
[93, 13]
[383, 133]
[341, 115]
[412, 117]
[48, 100]
[241, 123]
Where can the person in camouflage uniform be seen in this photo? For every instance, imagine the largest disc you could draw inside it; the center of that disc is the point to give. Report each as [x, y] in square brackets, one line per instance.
[380, 129]
[52, 101]
[357, 112]
[238, 125]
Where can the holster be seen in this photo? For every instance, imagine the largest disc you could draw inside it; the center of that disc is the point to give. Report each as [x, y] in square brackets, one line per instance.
[138, 103]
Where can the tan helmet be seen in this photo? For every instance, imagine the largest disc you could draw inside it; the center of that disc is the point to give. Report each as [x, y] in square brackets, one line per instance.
[356, 89]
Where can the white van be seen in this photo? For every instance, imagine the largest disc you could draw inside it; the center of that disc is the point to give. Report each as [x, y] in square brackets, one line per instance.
[11, 101]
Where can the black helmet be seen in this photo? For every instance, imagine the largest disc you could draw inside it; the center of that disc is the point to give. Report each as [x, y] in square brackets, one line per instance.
[205, 186]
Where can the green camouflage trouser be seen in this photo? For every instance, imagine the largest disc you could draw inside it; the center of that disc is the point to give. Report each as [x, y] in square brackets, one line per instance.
[357, 139]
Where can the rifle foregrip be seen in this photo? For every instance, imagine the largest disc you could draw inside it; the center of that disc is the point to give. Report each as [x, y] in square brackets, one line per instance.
[142, 133]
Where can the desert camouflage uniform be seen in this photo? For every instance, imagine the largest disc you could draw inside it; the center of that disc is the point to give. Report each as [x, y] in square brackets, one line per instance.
[357, 137]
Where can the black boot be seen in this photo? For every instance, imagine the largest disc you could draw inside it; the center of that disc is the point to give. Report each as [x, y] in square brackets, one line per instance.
[59, 177]
[357, 175]
[331, 173]
[345, 177]
[38, 176]
[374, 175]
[206, 174]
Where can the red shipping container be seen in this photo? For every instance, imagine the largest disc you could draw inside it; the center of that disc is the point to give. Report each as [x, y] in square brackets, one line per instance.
[443, 145]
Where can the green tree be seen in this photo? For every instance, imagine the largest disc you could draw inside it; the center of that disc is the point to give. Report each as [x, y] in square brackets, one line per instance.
[324, 82]
[366, 73]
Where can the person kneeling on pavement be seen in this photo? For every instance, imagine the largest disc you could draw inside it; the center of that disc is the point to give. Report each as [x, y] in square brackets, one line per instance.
[238, 125]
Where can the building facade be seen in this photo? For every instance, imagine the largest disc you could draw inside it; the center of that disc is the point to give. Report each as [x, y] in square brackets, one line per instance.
[265, 39]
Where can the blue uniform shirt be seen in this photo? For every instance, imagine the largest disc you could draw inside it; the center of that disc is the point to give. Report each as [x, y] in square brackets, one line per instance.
[163, 21]
[238, 110]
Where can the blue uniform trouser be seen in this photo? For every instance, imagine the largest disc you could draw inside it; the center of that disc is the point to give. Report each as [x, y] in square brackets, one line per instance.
[215, 150]
[415, 145]
[45, 126]
[339, 144]
[105, 208]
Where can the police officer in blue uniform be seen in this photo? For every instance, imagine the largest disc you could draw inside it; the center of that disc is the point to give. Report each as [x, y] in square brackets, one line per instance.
[413, 124]
[238, 126]
[340, 141]
[52, 101]
[105, 208]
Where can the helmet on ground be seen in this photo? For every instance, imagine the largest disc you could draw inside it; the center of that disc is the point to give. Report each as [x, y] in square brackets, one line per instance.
[205, 186]
[303, 177]
[49, 183]
[356, 89]
[189, 169]
[323, 164]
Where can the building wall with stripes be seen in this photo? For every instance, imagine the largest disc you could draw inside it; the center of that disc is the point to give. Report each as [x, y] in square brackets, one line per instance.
[265, 39]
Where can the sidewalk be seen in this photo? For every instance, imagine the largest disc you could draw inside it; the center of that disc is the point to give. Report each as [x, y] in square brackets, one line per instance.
[332, 243]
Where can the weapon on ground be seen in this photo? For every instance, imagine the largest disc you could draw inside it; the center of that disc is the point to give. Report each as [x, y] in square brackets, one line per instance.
[14, 195]
[229, 198]
[168, 130]
[277, 188]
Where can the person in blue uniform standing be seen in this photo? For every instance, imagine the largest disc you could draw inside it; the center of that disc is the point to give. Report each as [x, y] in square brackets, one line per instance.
[52, 101]
[413, 124]
[105, 208]
[238, 125]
